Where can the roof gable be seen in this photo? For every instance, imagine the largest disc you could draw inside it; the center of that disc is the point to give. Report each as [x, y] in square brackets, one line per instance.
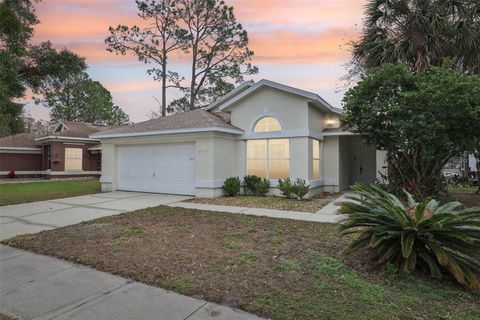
[226, 102]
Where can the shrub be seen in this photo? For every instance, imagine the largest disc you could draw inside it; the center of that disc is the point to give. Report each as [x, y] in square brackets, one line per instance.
[285, 187]
[300, 188]
[417, 236]
[231, 186]
[249, 184]
[262, 187]
[11, 174]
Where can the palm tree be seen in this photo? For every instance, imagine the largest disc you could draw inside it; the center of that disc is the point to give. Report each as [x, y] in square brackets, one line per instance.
[419, 34]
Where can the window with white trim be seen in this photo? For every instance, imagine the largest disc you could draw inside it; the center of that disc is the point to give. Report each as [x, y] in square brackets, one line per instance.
[316, 173]
[268, 158]
[73, 159]
[267, 124]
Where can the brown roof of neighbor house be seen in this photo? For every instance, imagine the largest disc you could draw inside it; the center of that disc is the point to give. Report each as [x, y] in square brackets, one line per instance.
[79, 129]
[20, 140]
[198, 118]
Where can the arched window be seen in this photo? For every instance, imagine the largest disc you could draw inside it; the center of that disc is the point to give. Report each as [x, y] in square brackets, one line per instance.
[267, 124]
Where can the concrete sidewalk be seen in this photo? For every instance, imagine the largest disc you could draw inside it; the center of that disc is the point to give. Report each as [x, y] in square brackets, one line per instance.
[327, 214]
[40, 287]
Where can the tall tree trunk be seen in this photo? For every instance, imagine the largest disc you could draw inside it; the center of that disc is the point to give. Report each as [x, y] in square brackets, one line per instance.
[192, 82]
[164, 84]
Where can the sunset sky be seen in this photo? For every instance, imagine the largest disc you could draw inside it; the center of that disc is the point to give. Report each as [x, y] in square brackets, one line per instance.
[301, 43]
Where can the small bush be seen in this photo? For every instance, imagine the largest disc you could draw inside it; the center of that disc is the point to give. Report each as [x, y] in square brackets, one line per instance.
[300, 188]
[285, 187]
[11, 174]
[231, 186]
[249, 183]
[262, 187]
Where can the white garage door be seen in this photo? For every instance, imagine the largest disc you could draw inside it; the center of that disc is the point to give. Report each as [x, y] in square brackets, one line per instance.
[162, 168]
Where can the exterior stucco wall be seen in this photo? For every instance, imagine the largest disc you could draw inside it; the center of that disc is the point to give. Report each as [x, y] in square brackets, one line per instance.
[271, 102]
[331, 163]
[214, 159]
[300, 159]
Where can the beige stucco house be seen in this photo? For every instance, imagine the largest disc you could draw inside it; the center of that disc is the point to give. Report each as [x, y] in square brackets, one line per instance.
[264, 128]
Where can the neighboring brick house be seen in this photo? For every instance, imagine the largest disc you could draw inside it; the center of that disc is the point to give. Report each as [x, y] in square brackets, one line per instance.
[66, 152]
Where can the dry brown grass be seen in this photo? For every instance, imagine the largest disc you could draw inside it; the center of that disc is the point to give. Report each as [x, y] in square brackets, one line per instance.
[277, 268]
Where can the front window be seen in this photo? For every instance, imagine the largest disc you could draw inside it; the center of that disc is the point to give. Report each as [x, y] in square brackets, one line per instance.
[73, 158]
[268, 158]
[267, 124]
[316, 159]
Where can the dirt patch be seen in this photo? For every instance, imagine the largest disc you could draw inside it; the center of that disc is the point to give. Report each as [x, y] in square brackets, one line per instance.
[469, 199]
[277, 268]
[308, 205]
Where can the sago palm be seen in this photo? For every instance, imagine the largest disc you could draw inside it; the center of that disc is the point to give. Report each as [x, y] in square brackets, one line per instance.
[426, 236]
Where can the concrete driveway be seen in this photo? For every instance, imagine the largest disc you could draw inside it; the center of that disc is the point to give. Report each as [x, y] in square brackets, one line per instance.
[44, 215]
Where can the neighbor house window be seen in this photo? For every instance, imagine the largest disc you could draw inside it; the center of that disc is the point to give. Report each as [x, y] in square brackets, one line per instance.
[73, 158]
[268, 158]
[316, 159]
[49, 157]
[267, 124]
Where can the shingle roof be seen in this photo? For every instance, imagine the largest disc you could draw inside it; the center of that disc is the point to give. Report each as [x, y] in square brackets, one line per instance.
[20, 140]
[79, 129]
[198, 118]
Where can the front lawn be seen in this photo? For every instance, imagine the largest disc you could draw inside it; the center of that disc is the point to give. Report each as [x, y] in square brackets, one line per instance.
[281, 203]
[277, 268]
[14, 193]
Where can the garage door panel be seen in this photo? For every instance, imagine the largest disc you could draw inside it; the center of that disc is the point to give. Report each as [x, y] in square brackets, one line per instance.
[163, 168]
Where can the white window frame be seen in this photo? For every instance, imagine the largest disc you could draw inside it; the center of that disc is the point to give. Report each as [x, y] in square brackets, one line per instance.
[267, 159]
[254, 129]
[69, 158]
[319, 143]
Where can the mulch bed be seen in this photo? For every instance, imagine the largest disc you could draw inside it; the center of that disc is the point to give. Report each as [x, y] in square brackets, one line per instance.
[281, 203]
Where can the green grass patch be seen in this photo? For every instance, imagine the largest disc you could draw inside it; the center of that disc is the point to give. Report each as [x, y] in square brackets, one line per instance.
[287, 265]
[15, 193]
[232, 246]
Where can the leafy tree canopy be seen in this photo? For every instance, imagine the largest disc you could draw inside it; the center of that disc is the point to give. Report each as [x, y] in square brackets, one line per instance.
[420, 119]
[79, 98]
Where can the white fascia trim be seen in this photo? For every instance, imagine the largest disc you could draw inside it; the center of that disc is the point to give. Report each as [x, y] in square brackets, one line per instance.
[66, 138]
[340, 133]
[232, 93]
[19, 150]
[308, 95]
[283, 134]
[170, 131]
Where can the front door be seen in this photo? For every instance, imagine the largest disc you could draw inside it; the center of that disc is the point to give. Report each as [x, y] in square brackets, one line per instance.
[366, 163]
